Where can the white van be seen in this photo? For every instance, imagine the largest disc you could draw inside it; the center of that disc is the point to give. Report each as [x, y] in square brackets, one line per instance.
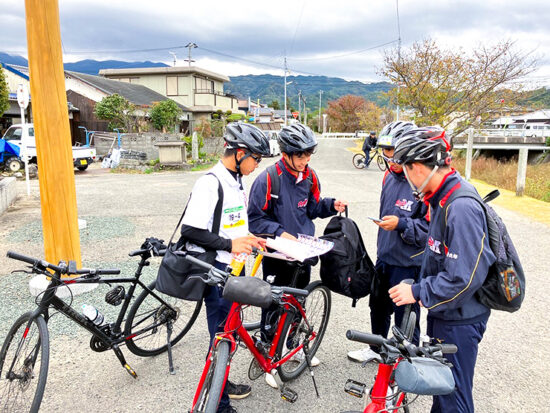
[23, 136]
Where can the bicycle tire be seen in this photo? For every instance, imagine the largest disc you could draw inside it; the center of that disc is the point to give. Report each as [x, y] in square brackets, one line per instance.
[358, 160]
[214, 382]
[10, 390]
[149, 312]
[381, 163]
[317, 307]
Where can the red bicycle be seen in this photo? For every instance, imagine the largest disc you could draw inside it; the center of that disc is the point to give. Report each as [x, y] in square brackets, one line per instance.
[298, 331]
[423, 370]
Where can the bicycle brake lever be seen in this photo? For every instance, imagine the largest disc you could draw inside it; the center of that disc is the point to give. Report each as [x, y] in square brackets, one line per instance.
[22, 271]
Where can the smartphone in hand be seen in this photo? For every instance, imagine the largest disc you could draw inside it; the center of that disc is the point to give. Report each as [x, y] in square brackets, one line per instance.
[375, 219]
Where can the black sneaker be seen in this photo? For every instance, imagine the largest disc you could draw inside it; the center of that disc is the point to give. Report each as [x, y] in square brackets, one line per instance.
[227, 409]
[237, 391]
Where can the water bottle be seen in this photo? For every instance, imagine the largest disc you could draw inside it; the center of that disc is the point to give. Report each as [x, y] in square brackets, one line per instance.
[93, 314]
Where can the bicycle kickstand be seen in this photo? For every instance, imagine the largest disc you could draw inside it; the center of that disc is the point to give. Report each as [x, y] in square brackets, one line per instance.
[169, 348]
[308, 362]
[122, 360]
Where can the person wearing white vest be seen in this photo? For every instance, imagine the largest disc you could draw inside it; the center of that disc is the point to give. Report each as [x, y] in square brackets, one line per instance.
[245, 146]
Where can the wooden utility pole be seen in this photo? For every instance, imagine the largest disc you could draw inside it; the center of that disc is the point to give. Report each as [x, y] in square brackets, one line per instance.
[53, 137]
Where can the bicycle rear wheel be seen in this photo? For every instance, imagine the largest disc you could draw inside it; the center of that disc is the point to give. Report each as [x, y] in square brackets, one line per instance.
[381, 163]
[212, 386]
[24, 361]
[317, 308]
[147, 311]
[358, 160]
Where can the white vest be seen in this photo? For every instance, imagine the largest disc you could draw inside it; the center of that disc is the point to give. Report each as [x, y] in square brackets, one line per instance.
[200, 210]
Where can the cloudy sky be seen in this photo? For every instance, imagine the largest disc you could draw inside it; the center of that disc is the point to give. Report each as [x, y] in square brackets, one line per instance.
[332, 38]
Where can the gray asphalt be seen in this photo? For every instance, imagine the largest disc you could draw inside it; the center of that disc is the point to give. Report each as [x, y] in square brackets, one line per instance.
[512, 372]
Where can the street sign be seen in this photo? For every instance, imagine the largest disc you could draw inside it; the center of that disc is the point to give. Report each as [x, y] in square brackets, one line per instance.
[295, 114]
[23, 96]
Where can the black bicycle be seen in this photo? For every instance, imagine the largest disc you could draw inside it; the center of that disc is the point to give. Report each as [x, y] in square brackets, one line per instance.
[154, 324]
[359, 160]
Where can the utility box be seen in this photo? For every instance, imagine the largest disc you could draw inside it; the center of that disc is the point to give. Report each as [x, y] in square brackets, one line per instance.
[172, 153]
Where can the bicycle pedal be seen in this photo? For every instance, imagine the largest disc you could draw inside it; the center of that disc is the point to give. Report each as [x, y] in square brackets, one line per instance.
[355, 388]
[130, 371]
[289, 395]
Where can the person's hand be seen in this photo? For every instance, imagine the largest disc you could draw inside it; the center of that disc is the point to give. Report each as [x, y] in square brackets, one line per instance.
[288, 236]
[389, 222]
[244, 244]
[340, 206]
[402, 294]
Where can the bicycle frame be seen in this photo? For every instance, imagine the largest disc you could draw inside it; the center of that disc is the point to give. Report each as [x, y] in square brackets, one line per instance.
[115, 336]
[378, 394]
[234, 324]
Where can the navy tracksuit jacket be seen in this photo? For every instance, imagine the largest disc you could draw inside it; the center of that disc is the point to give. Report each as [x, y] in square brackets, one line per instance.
[298, 204]
[399, 251]
[454, 266]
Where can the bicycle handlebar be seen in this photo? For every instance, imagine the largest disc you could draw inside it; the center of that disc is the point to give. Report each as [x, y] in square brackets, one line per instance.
[379, 341]
[290, 290]
[61, 269]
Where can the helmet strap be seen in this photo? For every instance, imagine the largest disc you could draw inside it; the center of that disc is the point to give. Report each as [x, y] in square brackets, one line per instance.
[418, 192]
[238, 162]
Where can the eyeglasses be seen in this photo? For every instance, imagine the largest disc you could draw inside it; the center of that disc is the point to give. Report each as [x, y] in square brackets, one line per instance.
[257, 158]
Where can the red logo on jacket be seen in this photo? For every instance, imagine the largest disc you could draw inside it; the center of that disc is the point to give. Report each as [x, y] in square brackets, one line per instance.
[302, 204]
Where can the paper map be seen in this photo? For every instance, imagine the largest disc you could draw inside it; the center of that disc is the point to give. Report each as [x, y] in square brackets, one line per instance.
[305, 247]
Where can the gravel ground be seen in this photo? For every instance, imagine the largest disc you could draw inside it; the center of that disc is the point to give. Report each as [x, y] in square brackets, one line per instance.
[121, 210]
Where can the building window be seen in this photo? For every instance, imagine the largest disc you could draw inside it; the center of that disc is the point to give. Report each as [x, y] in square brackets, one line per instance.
[171, 85]
[203, 85]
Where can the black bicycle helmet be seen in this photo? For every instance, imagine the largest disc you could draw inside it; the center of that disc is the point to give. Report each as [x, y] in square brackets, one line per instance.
[425, 145]
[296, 138]
[239, 135]
[391, 133]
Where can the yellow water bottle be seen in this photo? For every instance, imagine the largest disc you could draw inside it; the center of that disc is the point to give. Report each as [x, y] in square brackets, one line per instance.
[237, 263]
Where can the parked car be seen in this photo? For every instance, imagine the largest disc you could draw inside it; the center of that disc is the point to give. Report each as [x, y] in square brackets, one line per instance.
[22, 135]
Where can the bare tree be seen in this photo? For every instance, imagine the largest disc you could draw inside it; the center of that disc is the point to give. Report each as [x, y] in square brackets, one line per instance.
[451, 86]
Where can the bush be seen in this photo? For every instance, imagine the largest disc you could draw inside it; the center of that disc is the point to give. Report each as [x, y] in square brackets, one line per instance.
[234, 117]
[165, 114]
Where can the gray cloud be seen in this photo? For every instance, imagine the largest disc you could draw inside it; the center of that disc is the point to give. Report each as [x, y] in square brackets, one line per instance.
[264, 34]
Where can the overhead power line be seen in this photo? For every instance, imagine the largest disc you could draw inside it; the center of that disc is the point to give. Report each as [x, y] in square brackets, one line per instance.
[344, 54]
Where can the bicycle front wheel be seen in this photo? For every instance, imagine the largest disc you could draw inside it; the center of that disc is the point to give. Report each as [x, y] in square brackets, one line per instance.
[24, 360]
[211, 390]
[381, 163]
[358, 160]
[317, 308]
[150, 314]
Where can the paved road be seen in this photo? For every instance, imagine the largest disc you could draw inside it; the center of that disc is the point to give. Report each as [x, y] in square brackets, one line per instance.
[121, 210]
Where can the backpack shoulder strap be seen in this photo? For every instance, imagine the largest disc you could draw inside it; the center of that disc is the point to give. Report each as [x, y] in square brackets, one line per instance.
[219, 205]
[314, 180]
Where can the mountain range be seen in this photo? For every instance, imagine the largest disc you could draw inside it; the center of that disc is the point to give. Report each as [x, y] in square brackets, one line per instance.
[266, 88]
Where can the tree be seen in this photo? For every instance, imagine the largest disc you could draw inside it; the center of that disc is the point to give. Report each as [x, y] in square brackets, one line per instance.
[275, 105]
[447, 86]
[373, 118]
[117, 110]
[4, 93]
[344, 113]
[165, 114]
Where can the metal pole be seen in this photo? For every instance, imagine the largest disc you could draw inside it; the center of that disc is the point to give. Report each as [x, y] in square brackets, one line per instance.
[300, 106]
[469, 154]
[305, 113]
[522, 171]
[398, 52]
[285, 93]
[24, 152]
[319, 123]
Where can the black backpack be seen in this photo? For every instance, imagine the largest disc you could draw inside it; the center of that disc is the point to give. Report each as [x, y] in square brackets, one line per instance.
[504, 287]
[347, 268]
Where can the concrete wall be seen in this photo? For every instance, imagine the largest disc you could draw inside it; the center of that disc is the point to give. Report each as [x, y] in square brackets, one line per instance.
[8, 193]
[145, 142]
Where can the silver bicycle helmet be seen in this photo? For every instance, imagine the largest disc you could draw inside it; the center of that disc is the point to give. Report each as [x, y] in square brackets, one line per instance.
[240, 135]
[391, 133]
[296, 138]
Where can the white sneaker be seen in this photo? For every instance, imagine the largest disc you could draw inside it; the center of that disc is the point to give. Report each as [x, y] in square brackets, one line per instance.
[364, 355]
[270, 380]
[300, 356]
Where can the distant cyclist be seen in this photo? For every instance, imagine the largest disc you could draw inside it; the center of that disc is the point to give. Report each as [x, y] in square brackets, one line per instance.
[368, 144]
